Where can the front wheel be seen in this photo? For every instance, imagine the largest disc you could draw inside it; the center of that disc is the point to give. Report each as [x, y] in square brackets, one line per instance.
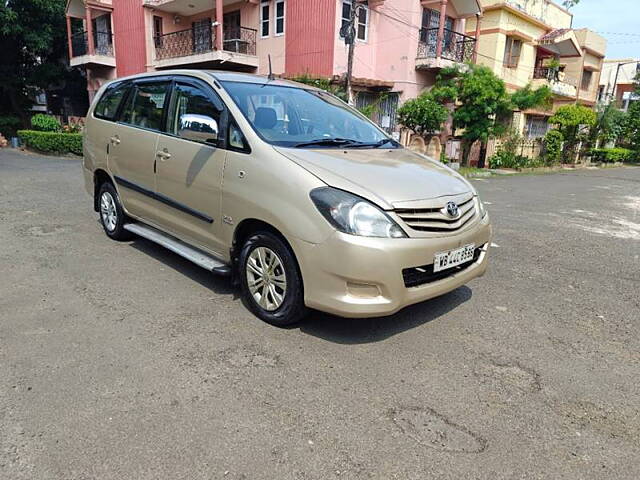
[270, 281]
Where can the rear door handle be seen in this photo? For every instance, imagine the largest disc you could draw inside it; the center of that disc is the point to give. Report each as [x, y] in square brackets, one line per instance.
[163, 154]
[115, 140]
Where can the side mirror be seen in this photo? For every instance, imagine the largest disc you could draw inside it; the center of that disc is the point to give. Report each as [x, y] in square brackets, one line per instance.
[199, 128]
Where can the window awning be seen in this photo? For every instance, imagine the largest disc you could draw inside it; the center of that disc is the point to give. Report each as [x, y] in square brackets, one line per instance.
[561, 42]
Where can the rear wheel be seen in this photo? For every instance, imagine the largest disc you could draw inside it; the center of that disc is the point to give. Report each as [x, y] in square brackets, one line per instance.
[270, 281]
[112, 215]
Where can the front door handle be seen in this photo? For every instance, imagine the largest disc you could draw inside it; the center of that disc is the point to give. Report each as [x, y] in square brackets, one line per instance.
[115, 140]
[163, 154]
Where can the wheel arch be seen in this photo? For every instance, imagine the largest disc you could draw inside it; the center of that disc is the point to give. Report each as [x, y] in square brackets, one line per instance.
[246, 228]
[100, 176]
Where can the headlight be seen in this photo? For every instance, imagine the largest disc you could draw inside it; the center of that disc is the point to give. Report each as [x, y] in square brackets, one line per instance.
[480, 207]
[354, 215]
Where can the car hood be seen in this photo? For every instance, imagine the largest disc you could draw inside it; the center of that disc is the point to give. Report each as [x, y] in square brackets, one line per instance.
[387, 177]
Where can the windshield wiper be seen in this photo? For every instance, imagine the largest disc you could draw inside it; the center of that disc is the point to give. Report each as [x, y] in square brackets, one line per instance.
[375, 144]
[328, 142]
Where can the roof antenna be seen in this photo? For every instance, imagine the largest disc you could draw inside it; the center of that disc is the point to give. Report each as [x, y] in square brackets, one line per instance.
[270, 76]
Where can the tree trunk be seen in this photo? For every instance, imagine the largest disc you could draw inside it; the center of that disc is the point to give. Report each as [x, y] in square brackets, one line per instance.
[466, 150]
[483, 154]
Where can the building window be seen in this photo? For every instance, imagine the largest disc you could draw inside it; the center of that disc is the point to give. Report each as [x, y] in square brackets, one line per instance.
[362, 20]
[264, 19]
[537, 127]
[512, 52]
[279, 17]
[587, 75]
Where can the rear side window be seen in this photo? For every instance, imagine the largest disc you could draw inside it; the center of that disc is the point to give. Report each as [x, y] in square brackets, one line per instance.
[146, 105]
[107, 106]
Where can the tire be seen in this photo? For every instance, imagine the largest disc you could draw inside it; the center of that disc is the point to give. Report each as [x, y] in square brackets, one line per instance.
[112, 216]
[278, 298]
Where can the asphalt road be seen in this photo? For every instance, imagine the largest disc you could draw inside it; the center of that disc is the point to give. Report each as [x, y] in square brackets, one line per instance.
[123, 361]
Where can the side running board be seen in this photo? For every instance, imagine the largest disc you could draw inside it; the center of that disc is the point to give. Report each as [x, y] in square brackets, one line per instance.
[192, 254]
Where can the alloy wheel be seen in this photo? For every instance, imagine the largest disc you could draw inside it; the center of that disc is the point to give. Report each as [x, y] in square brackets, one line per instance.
[266, 278]
[108, 211]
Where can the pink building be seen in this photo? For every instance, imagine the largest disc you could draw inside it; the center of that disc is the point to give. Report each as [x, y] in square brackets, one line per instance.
[400, 44]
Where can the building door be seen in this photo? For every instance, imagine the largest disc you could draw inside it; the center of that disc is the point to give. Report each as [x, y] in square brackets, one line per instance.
[202, 35]
[157, 31]
[232, 32]
[102, 34]
[429, 30]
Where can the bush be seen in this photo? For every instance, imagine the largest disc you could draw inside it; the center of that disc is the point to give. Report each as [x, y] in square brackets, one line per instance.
[52, 142]
[553, 141]
[9, 125]
[504, 159]
[422, 114]
[612, 155]
[45, 123]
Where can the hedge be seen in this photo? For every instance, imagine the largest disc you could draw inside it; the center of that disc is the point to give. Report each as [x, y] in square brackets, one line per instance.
[612, 155]
[52, 142]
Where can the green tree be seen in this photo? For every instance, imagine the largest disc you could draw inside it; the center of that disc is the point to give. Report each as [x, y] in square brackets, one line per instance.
[422, 114]
[33, 39]
[528, 97]
[631, 128]
[571, 121]
[609, 126]
[479, 97]
[570, 3]
[323, 84]
[553, 146]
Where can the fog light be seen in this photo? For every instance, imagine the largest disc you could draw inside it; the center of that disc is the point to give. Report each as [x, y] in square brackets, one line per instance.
[363, 290]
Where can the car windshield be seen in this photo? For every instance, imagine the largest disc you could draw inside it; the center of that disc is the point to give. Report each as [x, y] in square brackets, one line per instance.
[297, 117]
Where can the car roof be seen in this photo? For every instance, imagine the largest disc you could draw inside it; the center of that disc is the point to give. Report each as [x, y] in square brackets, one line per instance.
[223, 76]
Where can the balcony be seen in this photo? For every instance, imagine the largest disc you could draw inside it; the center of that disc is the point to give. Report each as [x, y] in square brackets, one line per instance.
[102, 54]
[556, 81]
[197, 46]
[456, 49]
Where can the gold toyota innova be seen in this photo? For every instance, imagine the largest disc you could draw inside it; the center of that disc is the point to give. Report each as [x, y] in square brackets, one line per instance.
[283, 187]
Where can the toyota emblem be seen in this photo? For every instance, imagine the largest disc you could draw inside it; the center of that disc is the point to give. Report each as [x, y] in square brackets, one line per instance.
[452, 209]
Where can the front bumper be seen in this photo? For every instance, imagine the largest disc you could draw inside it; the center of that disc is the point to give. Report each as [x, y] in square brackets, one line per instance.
[354, 276]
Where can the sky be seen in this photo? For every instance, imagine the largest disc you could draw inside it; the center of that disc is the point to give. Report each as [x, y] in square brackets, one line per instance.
[616, 16]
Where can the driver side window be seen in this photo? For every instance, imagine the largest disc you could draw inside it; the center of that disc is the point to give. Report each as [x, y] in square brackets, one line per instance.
[194, 116]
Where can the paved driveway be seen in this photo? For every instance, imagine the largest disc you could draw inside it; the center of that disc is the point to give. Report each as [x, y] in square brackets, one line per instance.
[123, 361]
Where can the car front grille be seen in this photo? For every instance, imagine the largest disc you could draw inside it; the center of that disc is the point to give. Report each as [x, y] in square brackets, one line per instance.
[436, 219]
[416, 276]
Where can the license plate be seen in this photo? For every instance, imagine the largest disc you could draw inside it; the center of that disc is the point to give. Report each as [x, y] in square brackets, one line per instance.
[452, 258]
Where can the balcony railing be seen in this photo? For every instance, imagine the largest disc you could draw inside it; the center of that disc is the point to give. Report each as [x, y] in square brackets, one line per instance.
[455, 46]
[553, 75]
[102, 44]
[546, 73]
[201, 39]
[240, 40]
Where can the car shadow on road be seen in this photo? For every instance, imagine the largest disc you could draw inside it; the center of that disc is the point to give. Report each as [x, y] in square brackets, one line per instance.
[216, 283]
[369, 330]
[348, 331]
